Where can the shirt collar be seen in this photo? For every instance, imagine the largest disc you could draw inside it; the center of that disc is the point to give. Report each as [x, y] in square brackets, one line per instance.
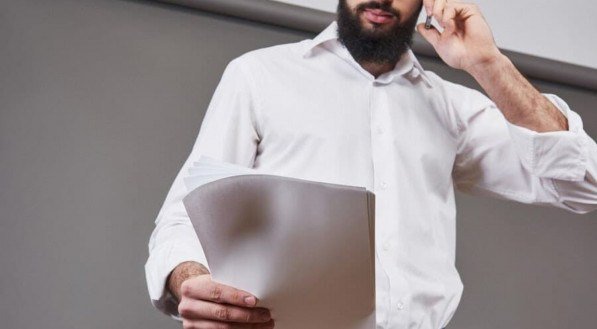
[409, 64]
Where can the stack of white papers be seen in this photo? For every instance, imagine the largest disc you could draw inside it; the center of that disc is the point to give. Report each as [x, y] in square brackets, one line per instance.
[304, 248]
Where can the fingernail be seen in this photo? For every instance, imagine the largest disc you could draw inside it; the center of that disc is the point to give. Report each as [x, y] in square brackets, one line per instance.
[250, 300]
[265, 315]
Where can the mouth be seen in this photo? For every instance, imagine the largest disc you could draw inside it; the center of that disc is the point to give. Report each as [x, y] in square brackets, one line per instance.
[378, 16]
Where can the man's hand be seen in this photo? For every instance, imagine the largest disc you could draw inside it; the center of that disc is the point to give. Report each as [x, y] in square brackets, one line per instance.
[467, 41]
[207, 304]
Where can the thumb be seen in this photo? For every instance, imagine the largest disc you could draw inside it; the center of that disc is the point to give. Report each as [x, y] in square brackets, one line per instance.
[432, 35]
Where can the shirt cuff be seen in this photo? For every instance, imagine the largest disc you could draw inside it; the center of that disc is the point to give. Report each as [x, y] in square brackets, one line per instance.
[553, 154]
[159, 266]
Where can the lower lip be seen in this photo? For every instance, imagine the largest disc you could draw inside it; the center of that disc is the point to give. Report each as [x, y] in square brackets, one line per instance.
[379, 19]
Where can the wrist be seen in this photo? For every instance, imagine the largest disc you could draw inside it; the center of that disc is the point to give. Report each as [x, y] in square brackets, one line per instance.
[489, 66]
[183, 272]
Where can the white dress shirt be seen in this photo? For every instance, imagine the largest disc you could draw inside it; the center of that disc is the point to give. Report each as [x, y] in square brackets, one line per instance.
[308, 110]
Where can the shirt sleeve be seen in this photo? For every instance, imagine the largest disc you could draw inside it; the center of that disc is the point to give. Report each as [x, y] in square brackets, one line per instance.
[228, 133]
[500, 159]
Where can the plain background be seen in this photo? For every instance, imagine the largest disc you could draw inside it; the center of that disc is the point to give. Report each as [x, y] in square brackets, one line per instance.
[100, 103]
[561, 30]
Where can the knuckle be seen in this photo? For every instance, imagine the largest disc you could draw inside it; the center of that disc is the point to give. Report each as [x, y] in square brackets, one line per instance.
[215, 293]
[186, 288]
[235, 296]
[249, 317]
[222, 313]
[183, 308]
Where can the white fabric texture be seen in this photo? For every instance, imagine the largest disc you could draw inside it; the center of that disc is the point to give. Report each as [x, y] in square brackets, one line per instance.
[308, 110]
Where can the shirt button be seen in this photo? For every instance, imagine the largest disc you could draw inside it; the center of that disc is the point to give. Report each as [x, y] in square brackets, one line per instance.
[400, 306]
[383, 185]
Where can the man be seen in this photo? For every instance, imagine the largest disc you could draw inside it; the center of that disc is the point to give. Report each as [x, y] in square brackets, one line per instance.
[353, 106]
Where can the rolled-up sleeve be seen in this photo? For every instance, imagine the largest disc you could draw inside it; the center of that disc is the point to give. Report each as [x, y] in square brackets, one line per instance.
[228, 133]
[498, 158]
[556, 154]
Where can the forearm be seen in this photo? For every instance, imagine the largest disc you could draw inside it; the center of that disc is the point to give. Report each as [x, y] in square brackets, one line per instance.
[183, 272]
[514, 95]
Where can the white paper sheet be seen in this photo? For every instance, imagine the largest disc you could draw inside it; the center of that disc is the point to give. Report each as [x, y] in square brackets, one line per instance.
[304, 248]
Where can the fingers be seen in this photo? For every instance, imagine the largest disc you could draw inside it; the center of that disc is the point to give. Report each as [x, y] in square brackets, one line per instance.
[428, 4]
[444, 11]
[434, 8]
[438, 9]
[447, 12]
[193, 309]
[432, 35]
[202, 287]
[208, 324]
[209, 304]
[448, 16]
[454, 11]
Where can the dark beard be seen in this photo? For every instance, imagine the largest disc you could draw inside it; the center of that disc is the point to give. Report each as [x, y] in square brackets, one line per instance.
[376, 46]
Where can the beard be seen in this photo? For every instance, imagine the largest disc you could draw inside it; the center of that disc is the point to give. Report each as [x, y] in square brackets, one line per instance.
[382, 44]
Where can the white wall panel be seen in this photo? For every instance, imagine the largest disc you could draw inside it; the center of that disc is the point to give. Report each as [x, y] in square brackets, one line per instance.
[561, 30]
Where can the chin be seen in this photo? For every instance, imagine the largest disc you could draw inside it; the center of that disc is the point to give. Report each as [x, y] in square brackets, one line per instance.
[375, 27]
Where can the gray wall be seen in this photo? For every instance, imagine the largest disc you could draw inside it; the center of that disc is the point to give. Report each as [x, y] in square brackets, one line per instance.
[100, 102]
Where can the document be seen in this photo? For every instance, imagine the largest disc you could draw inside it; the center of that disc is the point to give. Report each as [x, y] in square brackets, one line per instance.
[304, 248]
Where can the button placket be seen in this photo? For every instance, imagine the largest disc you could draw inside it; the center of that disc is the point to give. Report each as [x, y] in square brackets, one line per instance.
[377, 149]
[382, 146]
[378, 137]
